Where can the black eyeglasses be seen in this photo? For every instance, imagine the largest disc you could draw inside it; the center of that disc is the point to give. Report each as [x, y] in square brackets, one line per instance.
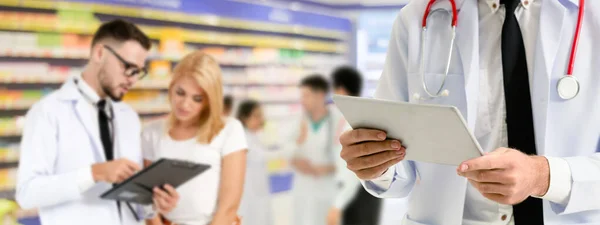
[131, 70]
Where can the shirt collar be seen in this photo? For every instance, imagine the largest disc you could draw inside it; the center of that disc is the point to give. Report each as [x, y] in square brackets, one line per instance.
[495, 4]
[90, 95]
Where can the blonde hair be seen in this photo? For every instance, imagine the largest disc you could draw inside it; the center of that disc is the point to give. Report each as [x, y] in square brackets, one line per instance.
[206, 71]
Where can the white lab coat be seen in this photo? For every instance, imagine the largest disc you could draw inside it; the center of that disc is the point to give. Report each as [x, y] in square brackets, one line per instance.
[255, 207]
[58, 149]
[314, 196]
[568, 129]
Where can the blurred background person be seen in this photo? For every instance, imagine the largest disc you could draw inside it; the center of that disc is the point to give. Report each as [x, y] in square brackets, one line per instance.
[352, 204]
[255, 208]
[197, 131]
[227, 105]
[314, 156]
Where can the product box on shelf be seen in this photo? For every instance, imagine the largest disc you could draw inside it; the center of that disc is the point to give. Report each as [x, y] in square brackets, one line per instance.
[10, 126]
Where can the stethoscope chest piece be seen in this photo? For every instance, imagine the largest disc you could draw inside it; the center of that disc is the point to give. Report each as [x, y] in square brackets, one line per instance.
[567, 87]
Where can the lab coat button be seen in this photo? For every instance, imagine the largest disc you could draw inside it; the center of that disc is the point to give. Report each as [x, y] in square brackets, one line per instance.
[494, 5]
[503, 218]
[526, 2]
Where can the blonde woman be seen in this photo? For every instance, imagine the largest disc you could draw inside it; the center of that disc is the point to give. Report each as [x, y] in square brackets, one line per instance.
[196, 131]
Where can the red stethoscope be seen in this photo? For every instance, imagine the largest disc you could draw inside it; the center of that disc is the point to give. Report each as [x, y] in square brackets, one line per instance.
[567, 87]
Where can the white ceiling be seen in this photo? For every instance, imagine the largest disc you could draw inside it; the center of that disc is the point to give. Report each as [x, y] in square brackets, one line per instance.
[363, 2]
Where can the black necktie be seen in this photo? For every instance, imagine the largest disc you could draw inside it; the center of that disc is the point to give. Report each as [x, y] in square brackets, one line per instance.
[519, 115]
[105, 130]
[105, 136]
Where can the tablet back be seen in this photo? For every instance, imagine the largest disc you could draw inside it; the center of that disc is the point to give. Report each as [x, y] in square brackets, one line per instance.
[430, 133]
[138, 188]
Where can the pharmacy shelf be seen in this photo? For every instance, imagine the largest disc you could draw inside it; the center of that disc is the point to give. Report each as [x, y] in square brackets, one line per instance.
[162, 15]
[194, 36]
[12, 79]
[152, 84]
[7, 194]
[10, 133]
[293, 64]
[8, 165]
[143, 108]
[150, 109]
[143, 84]
[22, 105]
[54, 53]
[76, 54]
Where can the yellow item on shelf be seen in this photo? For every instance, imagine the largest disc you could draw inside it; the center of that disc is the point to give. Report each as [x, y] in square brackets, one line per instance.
[172, 43]
[159, 69]
[162, 15]
[14, 22]
[8, 212]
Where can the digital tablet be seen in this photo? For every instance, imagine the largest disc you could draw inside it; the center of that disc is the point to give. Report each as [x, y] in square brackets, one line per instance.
[430, 133]
[138, 188]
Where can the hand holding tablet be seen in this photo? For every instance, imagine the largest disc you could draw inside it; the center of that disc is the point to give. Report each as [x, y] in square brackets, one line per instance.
[368, 153]
[387, 132]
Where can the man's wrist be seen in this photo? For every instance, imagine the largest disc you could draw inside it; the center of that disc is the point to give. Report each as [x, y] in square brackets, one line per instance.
[542, 183]
[96, 174]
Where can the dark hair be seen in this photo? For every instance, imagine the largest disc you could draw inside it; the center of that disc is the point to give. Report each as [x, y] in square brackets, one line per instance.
[227, 102]
[121, 30]
[348, 78]
[245, 110]
[315, 82]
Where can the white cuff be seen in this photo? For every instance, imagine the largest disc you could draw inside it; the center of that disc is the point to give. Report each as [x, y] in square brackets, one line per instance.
[559, 188]
[85, 179]
[385, 180]
[148, 211]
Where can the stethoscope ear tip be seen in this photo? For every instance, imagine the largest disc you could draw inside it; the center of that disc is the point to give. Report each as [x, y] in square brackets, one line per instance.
[416, 96]
[445, 93]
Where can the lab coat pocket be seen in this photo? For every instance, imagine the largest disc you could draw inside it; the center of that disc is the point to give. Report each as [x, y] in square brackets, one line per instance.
[453, 85]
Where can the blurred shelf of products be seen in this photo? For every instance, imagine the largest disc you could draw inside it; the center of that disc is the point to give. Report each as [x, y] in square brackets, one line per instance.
[84, 23]
[46, 42]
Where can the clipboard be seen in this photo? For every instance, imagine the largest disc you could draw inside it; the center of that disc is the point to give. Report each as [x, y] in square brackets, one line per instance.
[431, 133]
[138, 188]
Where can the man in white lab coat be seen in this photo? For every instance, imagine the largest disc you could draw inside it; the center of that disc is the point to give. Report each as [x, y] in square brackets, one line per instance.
[506, 65]
[80, 140]
[314, 154]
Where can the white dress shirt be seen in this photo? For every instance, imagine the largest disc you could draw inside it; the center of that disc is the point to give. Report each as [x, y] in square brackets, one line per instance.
[478, 209]
[86, 182]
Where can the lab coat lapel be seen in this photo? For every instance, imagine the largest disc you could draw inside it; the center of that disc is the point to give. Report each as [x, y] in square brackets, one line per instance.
[552, 18]
[70, 92]
[120, 125]
[467, 43]
[551, 26]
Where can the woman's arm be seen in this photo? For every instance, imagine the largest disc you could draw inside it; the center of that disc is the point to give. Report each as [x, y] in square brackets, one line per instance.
[233, 172]
[156, 219]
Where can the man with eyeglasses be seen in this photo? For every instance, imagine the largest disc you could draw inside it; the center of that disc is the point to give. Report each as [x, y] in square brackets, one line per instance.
[81, 140]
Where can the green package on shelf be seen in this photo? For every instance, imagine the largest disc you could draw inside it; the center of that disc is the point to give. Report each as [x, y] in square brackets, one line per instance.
[296, 54]
[32, 94]
[76, 15]
[49, 40]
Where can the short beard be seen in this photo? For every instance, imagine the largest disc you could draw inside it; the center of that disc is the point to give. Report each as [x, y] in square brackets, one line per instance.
[109, 93]
[107, 89]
